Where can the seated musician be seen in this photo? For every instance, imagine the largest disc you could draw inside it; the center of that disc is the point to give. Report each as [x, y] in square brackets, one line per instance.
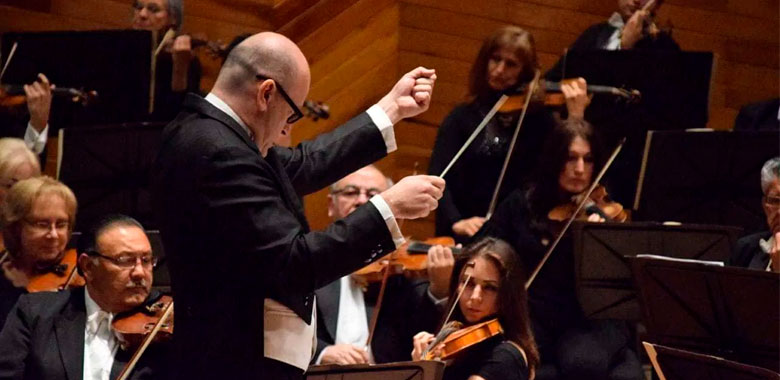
[35, 131]
[506, 61]
[494, 290]
[177, 70]
[37, 219]
[630, 27]
[17, 162]
[344, 311]
[761, 250]
[570, 345]
[68, 334]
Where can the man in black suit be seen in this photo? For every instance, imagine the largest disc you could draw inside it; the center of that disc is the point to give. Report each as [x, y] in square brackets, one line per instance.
[626, 29]
[346, 307]
[761, 251]
[243, 262]
[47, 334]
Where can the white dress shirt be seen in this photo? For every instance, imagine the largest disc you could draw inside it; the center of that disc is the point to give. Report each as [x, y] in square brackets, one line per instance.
[613, 43]
[286, 337]
[100, 344]
[351, 322]
[35, 140]
[766, 246]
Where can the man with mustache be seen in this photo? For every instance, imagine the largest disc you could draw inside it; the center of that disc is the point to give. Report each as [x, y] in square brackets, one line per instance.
[68, 334]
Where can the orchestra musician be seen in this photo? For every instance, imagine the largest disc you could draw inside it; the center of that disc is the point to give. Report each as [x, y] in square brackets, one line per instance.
[68, 334]
[570, 345]
[37, 220]
[761, 251]
[178, 71]
[229, 207]
[344, 311]
[506, 61]
[36, 131]
[17, 162]
[494, 290]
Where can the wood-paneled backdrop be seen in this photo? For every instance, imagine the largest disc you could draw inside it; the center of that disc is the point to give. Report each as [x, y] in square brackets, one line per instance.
[358, 48]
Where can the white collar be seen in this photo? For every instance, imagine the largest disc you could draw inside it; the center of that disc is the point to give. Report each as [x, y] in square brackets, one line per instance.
[94, 312]
[616, 20]
[224, 107]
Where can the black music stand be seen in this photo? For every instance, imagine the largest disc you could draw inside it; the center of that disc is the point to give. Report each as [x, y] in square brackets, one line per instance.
[605, 285]
[705, 177]
[418, 370]
[729, 312]
[108, 169]
[674, 364]
[115, 63]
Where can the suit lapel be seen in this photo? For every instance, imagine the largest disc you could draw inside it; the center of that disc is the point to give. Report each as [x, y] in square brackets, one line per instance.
[328, 304]
[69, 330]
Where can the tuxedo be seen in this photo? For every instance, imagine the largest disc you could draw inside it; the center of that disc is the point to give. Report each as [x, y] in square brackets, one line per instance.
[406, 310]
[43, 338]
[748, 254]
[234, 232]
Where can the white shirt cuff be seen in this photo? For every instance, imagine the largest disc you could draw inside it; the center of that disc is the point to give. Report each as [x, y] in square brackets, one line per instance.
[387, 215]
[37, 141]
[379, 117]
[436, 301]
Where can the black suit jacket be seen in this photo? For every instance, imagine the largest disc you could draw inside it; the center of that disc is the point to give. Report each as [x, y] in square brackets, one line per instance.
[748, 254]
[407, 309]
[43, 338]
[235, 233]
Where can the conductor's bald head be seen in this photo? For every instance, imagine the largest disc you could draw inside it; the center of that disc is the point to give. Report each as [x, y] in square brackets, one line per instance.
[253, 79]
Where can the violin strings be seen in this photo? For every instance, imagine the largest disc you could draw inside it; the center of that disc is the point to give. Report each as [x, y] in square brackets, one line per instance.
[10, 56]
[474, 134]
[574, 214]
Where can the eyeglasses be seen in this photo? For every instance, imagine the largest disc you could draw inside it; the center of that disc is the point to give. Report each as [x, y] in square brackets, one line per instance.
[771, 200]
[151, 7]
[297, 113]
[352, 192]
[128, 261]
[47, 225]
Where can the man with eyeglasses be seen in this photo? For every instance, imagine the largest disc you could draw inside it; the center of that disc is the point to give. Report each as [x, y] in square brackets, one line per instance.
[68, 334]
[229, 206]
[761, 250]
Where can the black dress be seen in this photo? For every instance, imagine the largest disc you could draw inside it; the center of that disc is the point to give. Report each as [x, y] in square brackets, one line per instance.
[8, 296]
[472, 180]
[494, 359]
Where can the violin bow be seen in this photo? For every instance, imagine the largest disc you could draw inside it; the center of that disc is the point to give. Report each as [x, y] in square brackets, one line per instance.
[531, 89]
[574, 214]
[10, 55]
[440, 336]
[147, 341]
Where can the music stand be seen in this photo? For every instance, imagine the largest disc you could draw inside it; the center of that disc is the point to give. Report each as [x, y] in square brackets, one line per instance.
[729, 312]
[674, 364]
[108, 169]
[605, 285]
[115, 63]
[417, 370]
[705, 177]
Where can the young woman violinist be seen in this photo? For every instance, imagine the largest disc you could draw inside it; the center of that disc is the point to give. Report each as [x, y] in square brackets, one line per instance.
[570, 345]
[505, 62]
[488, 273]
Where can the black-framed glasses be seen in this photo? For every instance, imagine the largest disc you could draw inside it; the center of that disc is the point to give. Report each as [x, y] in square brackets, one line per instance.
[127, 261]
[772, 200]
[297, 113]
[352, 192]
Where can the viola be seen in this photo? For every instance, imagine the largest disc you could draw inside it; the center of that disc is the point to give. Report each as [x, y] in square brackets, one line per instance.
[598, 202]
[549, 94]
[409, 260]
[131, 328]
[452, 342]
[60, 276]
[13, 95]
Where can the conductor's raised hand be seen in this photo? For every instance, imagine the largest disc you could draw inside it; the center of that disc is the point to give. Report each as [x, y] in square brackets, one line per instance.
[410, 96]
[414, 196]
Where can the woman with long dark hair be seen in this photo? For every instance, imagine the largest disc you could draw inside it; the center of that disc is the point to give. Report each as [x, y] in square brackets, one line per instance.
[570, 345]
[489, 274]
[506, 62]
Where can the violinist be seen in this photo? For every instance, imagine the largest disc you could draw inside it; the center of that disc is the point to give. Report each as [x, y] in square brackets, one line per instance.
[344, 308]
[38, 97]
[495, 289]
[37, 219]
[632, 26]
[761, 251]
[67, 334]
[507, 60]
[570, 345]
[178, 71]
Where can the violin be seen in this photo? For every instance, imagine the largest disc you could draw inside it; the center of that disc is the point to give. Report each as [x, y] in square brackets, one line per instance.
[13, 95]
[316, 110]
[60, 276]
[409, 260]
[151, 323]
[549, 94]
[598, 203]
[452, 341]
